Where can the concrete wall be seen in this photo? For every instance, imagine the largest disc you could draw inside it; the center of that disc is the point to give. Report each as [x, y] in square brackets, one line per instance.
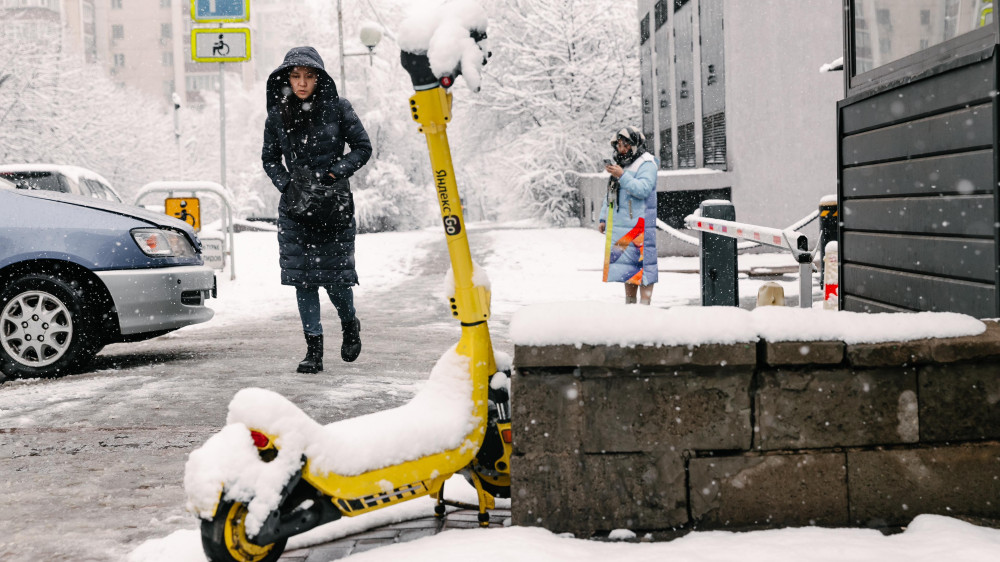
[661, 439]
[782, 111]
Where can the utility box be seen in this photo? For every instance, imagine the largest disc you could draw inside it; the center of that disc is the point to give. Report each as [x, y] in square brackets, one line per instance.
[719, 285]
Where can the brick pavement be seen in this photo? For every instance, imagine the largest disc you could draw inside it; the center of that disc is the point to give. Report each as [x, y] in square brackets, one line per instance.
[395, 533]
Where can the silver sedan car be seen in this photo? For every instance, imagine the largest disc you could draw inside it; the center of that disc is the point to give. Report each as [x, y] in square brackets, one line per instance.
[78, 273]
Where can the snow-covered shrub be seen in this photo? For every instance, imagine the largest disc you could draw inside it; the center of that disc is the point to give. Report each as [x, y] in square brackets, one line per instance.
[390, 200]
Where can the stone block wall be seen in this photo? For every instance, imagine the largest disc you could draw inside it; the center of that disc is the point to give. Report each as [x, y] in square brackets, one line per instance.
[747, 436]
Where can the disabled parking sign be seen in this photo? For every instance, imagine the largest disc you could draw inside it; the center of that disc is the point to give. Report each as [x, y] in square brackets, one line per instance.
[220, 11]
[220, 44]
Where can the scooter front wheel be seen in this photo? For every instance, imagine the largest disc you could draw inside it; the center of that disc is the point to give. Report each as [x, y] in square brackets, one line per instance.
[224, 538]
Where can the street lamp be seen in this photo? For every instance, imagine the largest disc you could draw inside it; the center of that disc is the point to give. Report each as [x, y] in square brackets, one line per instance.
[371, 34]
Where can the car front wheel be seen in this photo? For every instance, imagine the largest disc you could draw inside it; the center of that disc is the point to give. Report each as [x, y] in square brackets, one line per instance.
[44, 327]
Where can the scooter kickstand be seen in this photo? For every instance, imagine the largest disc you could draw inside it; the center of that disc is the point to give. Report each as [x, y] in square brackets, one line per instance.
[439, 508]
[486, 501]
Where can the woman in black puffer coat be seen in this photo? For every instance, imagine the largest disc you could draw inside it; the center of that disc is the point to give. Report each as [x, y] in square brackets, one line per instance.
[308, 125]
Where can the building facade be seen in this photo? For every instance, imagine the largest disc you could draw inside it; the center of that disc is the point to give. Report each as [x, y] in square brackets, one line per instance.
[142, 44]
[735, 107]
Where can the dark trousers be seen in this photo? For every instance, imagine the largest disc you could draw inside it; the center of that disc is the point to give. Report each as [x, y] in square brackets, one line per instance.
[342, 297]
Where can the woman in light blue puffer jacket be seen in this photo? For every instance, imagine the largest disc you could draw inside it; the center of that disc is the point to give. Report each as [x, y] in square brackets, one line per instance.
[630, 248]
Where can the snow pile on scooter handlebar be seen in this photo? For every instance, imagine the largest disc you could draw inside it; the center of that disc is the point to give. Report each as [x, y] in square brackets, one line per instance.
[437, 419]
[442, 33]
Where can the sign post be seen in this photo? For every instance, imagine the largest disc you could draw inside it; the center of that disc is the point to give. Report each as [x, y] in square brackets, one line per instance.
[221, 45]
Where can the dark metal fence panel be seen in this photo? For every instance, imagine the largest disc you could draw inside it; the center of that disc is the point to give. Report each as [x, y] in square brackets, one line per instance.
[918, 173]
[951, 257]
[917, 291]
[964, 173]
[960, 215]
[964, 129]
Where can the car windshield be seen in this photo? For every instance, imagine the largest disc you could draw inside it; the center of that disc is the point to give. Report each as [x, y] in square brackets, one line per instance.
[37, 180]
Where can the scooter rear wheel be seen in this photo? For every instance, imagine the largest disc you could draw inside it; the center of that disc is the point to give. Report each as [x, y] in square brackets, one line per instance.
[224, 538]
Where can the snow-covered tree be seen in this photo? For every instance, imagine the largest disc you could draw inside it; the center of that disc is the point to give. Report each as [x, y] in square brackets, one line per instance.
[53, 110]
[564, 74]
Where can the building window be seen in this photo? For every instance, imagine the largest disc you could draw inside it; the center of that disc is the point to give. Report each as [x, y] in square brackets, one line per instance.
[201, 82]
[167, 58]
[685, 146]
[116, 4]
[714, 140]
[119, 59]
[661, 9]
[166, 31]
[644, 29]
[896, 33]
[666, 150]
[883, 17]
[118, 31]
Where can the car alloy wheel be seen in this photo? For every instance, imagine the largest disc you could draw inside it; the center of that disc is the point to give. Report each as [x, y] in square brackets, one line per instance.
[37, 328]
[45, 327]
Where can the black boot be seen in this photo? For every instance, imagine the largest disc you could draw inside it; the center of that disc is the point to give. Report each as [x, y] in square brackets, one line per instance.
[351, 347]
[313, 363]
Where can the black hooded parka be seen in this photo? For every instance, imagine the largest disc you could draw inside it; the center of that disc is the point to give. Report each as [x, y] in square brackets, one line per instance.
[312, 134]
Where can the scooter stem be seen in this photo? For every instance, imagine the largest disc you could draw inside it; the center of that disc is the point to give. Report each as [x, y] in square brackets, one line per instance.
[432, 109]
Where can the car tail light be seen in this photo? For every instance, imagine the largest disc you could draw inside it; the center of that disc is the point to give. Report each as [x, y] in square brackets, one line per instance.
[259, 439]
[505, 435]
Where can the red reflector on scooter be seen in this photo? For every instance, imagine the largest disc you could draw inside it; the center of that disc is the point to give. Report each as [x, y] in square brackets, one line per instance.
[505, 435]
[259, 439]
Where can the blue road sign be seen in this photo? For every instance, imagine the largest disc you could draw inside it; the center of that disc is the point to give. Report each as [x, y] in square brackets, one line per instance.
[211, 11]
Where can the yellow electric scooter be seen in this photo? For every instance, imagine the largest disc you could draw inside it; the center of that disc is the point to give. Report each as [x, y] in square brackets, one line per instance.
[312, 497]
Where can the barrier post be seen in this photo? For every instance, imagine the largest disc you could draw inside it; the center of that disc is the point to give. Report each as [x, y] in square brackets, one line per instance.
[719, 285]
[829, 224]
[805, 260]
[831, 289]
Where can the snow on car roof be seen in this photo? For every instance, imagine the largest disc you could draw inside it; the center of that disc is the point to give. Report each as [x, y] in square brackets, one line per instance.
[75, 172]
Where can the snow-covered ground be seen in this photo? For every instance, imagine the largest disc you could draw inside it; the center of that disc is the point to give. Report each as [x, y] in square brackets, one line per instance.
[528, 268]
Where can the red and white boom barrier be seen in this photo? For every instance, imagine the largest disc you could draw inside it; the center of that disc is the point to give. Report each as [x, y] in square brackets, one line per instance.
[793, 241]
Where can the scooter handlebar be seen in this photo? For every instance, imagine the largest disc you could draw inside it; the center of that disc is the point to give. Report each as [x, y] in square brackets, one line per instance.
[418, 66]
